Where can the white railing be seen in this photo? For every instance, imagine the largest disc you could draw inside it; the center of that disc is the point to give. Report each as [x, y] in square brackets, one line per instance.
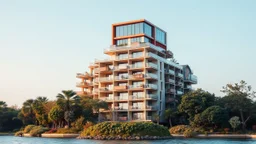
[151, 107]
[150, 75]
[136, 107]
[121, 67]
[105, 89]
[151, 96]
[137, 66]
[121, 97]
[153, 86]
[136, 86]
[179, 92]
[180, 75]
[104, 60]
[132, 97]
[171, 72]
[151, 65]
[149, 117]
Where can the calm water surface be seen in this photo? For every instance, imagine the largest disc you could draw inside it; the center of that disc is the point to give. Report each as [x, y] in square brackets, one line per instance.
[22, 140]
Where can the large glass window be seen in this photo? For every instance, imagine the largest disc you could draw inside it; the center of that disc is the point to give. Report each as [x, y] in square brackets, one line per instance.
[134, 29]
[122, 42]
[160, 36]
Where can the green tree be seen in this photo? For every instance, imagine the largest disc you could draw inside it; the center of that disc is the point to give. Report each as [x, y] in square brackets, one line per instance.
[238, 99]
[66, 100]
[234, 122]
[40, 111]
[168, 114]
[27, 114]
[195, 102]
[56, 116]
[213, 116]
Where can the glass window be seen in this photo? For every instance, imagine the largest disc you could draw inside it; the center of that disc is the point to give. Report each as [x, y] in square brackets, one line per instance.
[129, 29]
[121, 33]
[160, 36]
[141, 27]
[147, 29]
[117, 31]
[125, 30]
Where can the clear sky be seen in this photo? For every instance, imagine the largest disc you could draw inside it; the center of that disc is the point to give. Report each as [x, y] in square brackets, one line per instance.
[43, 44]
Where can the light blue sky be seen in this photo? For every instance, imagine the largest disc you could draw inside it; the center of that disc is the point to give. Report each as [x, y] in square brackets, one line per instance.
[45, 43]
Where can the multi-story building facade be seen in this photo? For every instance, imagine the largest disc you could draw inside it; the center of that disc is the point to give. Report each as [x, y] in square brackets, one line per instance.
[139, 79]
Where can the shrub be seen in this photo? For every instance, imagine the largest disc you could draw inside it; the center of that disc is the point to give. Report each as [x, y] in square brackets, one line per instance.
[79, 123]
[88, 124]
[19, 133]
[38, 130]
[67, 130]
[189, 133]
[28, 128]
[125, 129]
[179, 129]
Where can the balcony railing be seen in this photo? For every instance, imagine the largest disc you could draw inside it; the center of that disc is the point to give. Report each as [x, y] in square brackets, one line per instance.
[151, 65]
[189, 87]
[137, 86]
[107, 98]
[121, 87]
[179, 92]
[122, 67]
[170, 90]
[136, 76]
[121, 77]
[179, 75]
[104, 60]
[121, 97]
[136, 107]
[105, 79]
[137, 66]
[83, 75]
[123, 118]
[120, 108]
[150, 75]
[170, 81]
[151, 96]
[151, 107]
[83, 84]
[137, 118]
[151, 86]
[149, 117]
[105, 89]
[132, 97]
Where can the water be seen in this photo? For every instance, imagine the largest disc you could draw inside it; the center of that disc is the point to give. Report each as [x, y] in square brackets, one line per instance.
[23, 140]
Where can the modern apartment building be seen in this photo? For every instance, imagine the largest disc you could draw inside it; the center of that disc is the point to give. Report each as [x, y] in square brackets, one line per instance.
[139, 79]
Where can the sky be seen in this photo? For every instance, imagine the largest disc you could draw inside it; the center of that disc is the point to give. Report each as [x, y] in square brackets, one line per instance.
[43, 44]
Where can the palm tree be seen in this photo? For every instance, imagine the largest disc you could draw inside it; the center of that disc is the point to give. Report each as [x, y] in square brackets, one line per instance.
[27, 110]
[65, 100]
[40, 111]
[3, 104]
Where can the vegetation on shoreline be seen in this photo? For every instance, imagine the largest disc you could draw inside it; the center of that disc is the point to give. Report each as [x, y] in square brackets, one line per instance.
[125, 129]
[197, 112]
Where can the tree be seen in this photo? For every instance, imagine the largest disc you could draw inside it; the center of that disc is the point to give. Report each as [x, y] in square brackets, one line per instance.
[234, 122]
[27, 113]
[66, 100]
[213, 116]
[239, 99]
[195, 102]
[56, 116]
[156, 117]
[40, 111]
[168, 114]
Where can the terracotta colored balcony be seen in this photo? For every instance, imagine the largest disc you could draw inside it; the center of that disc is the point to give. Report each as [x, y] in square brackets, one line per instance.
[85, 75]
[120, 88]
[104, 69]
[84, 84]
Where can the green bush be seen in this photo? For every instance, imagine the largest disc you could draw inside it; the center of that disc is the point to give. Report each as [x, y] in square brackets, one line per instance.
[28, 128]
[68, 131]
[79, 123]
[125, 129]
[179, 129]
[189, 133]
[19, 133]
[38, 130]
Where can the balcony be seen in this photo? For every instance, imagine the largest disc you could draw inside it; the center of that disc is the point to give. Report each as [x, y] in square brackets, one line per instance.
[149, 118]
[151, 65]
[179, 84]
[120, 88]
[107, 99]
[123, 118]
[133, 97]
[137, 76]
[151, 96]
[188, 87]
[122, 58]
[170, 90]
[106, 79]
[136, 87]
[86, 75]
[95, 80]
[95, 91]
[151, 107]
[136, 107]
[105, 89]
[114, 48]
[96, 70]
[122, 68]
[84, 84]
[191, 78]
[106, 60]
[120, 108]
[83, 93]
[120, 78]
[170, 72]
[137, 118]
[170, 81]
[137, 66]
[151, 76]
[179, 75]
[151, 86]
[134, 56]
[179, 92]
[117, 98]
[170, 100]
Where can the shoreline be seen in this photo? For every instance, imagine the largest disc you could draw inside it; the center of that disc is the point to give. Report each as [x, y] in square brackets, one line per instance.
[176, 136]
